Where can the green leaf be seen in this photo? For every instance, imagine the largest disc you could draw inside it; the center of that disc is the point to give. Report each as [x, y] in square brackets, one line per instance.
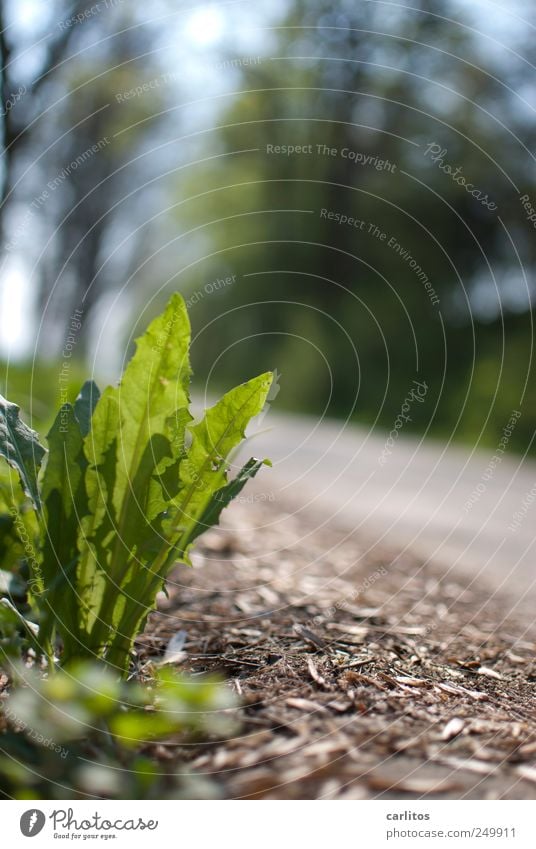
[223, 497]
[98, 527]
[85, 404]
[202, 474]
[20, 446]
[153, 388]
[11, 550]
[12, 622]
[19, 524]
[213, 439]
[155, 385]
[65, 501]
[98, 445]
[129, 485]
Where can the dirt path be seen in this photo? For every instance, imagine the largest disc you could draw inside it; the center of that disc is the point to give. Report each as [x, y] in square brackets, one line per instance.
[449, 503]
[362, 675]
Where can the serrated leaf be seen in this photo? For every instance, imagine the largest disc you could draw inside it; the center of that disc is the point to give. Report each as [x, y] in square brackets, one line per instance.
[213, 439]
[154, 385]
[20, 446]
[202, 474]
[223, 497]
[128, 487]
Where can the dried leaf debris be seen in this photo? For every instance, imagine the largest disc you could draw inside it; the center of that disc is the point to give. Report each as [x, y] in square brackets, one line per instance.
[363, 674]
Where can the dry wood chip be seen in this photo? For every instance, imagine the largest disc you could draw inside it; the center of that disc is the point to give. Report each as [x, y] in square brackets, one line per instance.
[244, 604]
[470, 765]
[360, 661]
[486, 726]
[421, 786]
[316, 676]
[477, 695]
[247, 632]
[527, 772]
[223, 758]
[362, 612]
[348, 640]
[483, 753]
[522, 644]
[330, 790]
[448, 688]
[283, 746]
[202, 761]
[258, 782]
[403, 681]
[268, 595]
[407, 744]
[306, 704]
[528, 749]
[515, 658]
[453, 728]
[353, 677]
[309, 635]
[175, 649]
[355, 630]
[411, 682]
[467, 664]
[489, 673]
[329, 747]
[340, 707]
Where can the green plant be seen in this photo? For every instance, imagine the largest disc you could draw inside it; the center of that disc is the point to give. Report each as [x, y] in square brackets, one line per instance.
[84, 732]
[128, 484]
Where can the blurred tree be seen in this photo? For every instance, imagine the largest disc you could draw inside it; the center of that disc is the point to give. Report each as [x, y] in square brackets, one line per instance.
[361, 263]
[16, 123]
[384, 114]
[73, 152]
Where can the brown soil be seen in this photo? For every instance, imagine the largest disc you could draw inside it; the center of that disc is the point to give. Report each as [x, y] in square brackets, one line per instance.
[362, 674]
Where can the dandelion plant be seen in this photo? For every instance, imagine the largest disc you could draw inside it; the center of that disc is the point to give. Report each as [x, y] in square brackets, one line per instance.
[128, 483]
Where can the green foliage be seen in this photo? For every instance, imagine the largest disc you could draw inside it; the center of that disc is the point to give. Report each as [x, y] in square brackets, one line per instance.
[17, 634]
[81, 730]
[35, 386]
[11, 550]
[20, 446]
[19, 535]
[129, 484]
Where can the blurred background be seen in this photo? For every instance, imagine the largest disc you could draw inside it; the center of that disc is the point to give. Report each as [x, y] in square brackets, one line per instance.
[342, 191]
